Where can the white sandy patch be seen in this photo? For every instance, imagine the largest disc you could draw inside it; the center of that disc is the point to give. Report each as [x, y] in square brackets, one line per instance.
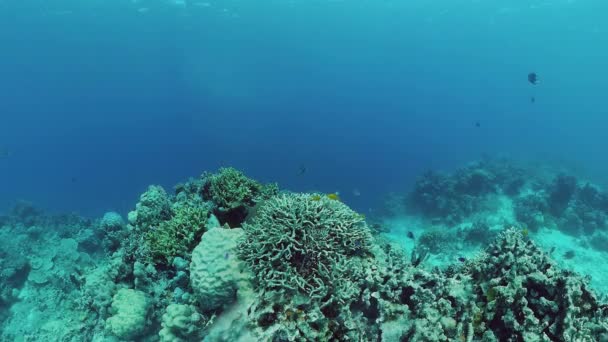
[586, 260]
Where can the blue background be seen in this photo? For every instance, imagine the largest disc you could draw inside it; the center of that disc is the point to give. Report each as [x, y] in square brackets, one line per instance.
[99, 99]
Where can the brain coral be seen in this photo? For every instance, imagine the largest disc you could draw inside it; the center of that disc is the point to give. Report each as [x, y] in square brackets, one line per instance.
[215, 271]
[130, 308]
[294, 241]
[180, 323]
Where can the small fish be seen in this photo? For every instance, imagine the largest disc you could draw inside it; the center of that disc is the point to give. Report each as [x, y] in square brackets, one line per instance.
[356, 192]
[226, 256]
[410, 235]
[532, 99]
[569, 255]
[477, 124]
[462, 259]
[361, 216]
[533, 78]
[525, 232]
[333, 196]
[315, 198]
[302, 170]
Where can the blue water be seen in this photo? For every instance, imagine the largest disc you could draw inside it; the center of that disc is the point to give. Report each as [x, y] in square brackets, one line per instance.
[99, 99]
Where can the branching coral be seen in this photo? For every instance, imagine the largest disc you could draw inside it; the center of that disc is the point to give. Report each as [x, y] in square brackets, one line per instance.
[523, 295]
[153, 207]
[177, 236]
[295, 239]
[234, 193]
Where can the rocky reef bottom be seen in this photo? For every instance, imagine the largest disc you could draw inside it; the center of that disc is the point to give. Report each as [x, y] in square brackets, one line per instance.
[226, 258]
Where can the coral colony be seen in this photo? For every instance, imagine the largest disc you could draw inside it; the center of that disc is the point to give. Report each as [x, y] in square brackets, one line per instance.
[226, 258]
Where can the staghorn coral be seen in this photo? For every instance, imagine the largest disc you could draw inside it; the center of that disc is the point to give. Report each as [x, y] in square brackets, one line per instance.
[293, 242]
[307, 254]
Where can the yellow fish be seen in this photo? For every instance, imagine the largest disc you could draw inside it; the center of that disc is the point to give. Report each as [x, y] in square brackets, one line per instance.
[333, 196]
[315, 197]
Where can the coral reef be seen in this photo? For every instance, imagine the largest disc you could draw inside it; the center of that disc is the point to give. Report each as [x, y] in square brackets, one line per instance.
[130, 308]
[177, 236]
[521, 295]
[234, 194]
[532, 210]
[570, 205]
[305, 251]
[153, 207]
[305, 267]
[295, 239]
[536, 199]
[181, 323]
[216, 273]
[451, 198]
[435, 240]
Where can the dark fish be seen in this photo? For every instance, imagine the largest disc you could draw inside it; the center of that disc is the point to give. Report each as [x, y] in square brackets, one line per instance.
[533, 78]
[477, 124]
[74, 179]
[532, 99]
[410, 235]
[462, 259]
[226, 256]
[569, 254]
[301, 170]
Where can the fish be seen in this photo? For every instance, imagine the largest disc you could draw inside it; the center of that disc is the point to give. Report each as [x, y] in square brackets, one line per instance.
[333, 196]
[356, 192]
[569, 254]
[315, 198]
[533, 78]
[302, 170]
[410, 235]
[462, 259]
[477, 124]
[532, 99]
